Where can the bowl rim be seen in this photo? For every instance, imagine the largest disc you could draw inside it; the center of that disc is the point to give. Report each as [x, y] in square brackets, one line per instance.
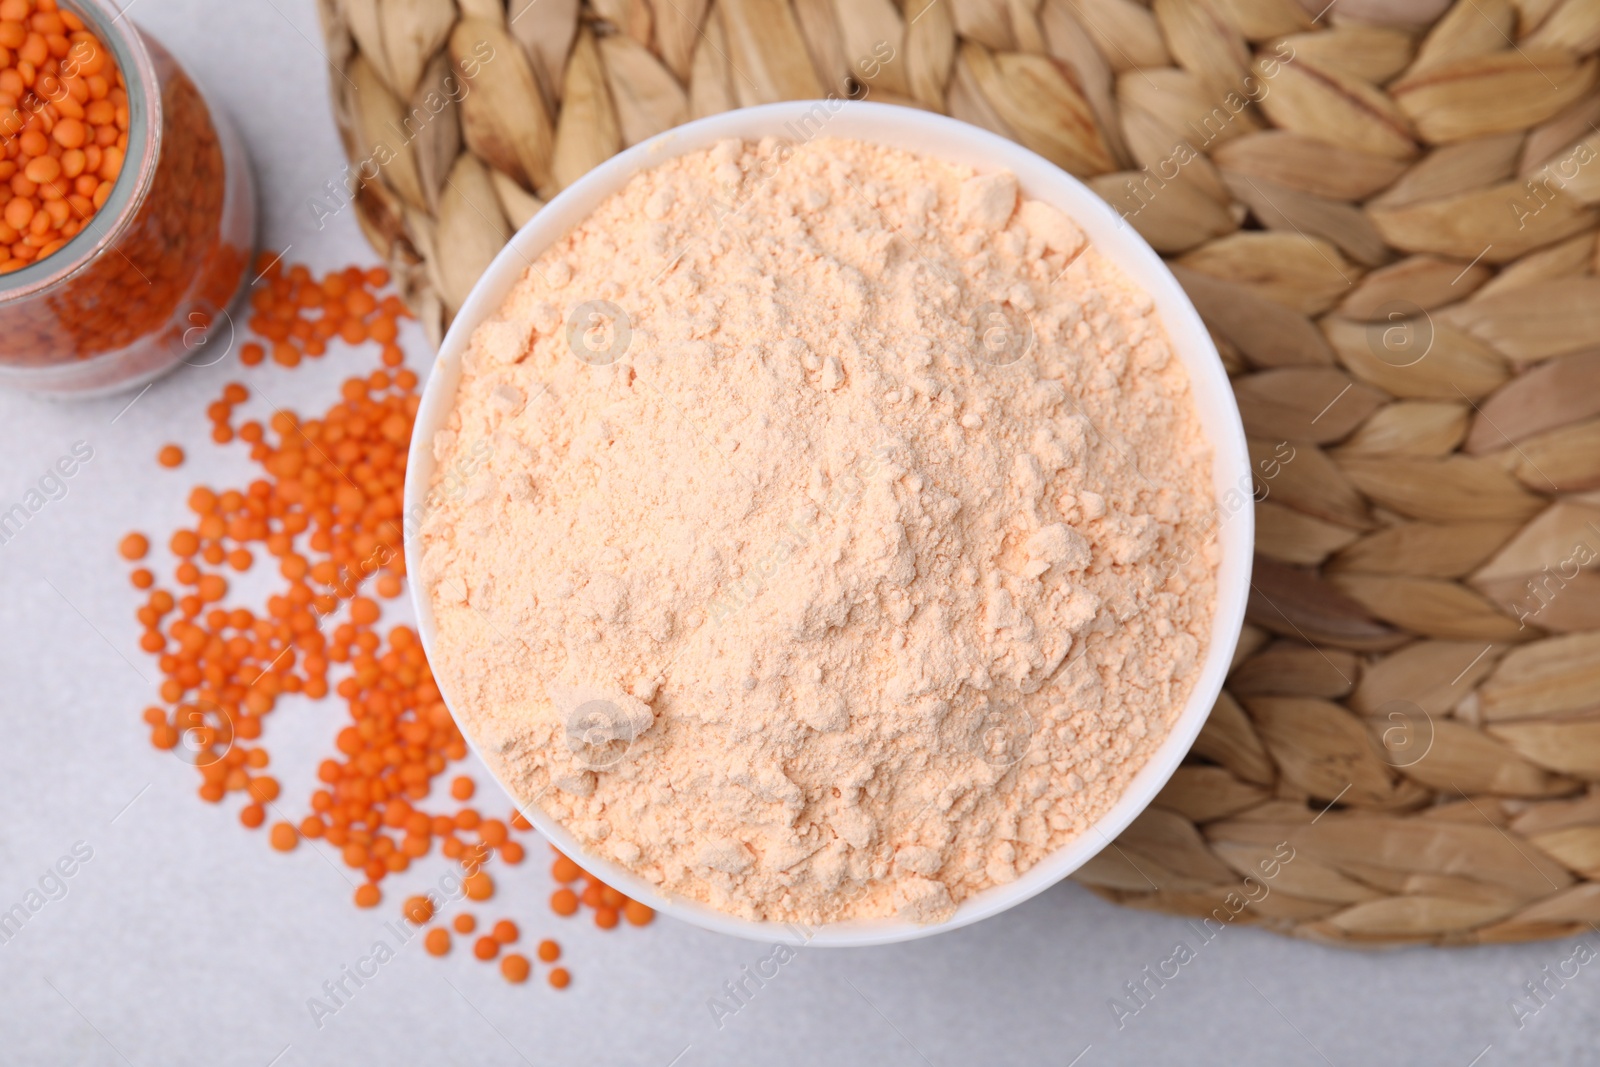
[928, 134]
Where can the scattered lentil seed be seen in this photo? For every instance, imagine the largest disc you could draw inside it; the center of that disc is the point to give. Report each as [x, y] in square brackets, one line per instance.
[516, 968]
[283, 836]
[418, 909]
[479, 886]
[327, 509]
[133, 547]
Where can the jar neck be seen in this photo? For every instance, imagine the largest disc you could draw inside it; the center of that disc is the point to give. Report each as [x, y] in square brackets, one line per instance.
[143, 86]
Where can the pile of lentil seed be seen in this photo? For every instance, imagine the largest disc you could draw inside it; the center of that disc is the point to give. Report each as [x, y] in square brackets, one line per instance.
[63, 129]
[328, 508]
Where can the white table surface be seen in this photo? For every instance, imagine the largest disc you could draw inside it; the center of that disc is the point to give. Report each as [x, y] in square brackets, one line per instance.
[186, 940]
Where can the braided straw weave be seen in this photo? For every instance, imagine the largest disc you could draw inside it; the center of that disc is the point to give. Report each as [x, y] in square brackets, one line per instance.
[1385, 213]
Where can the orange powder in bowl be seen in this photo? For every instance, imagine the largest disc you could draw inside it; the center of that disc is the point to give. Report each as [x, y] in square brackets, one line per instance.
[838, 556]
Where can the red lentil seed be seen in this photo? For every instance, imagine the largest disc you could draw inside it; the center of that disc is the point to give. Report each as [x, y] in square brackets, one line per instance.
[327, 509]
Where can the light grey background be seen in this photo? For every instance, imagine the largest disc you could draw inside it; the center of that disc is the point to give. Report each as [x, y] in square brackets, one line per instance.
[186, 940]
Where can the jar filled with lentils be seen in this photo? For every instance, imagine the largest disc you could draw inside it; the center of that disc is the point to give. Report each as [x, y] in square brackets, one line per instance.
[127, 210]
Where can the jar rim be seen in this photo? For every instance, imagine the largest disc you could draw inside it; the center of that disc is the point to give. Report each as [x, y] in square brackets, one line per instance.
[122, 37]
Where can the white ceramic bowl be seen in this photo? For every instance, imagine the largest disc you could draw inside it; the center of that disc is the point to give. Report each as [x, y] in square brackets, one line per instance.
[936, 137]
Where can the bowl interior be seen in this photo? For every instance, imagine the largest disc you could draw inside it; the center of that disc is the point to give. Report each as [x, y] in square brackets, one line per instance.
[937, 137]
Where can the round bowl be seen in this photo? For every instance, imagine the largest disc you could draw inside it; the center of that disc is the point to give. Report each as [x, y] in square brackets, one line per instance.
[936, 137]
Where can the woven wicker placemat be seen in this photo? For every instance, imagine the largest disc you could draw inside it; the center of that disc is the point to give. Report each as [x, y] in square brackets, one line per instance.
[1384, 211]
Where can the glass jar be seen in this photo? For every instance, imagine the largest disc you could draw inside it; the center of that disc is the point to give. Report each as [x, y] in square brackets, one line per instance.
[147, 283]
